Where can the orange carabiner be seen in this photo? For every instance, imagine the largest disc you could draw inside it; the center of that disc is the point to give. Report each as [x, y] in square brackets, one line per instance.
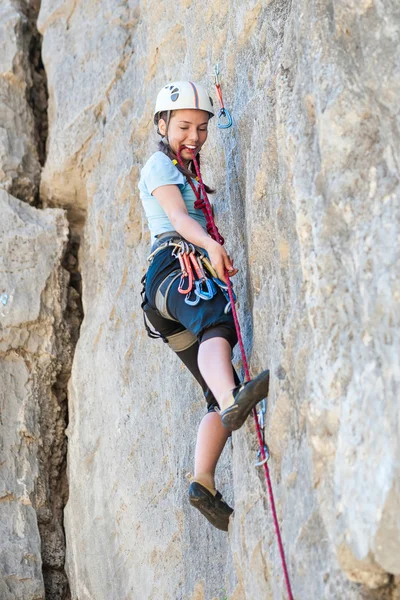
[186, 273]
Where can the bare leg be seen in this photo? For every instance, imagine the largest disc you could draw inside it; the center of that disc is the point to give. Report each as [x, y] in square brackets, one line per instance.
[214, 360]
[211, 439]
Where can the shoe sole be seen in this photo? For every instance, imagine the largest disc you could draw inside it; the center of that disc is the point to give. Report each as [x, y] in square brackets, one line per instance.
[204, 505]
[255, 391]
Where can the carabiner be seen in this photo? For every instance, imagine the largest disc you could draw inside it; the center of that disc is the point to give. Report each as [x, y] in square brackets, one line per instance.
[197, 268]
[259, 460]
[186, 273]
[209, 266]
[198, 258]
[261, 413]
[228, 308]
[224, 112]
[181, 289]
[178, 249]
[207, 294]
[192, 302]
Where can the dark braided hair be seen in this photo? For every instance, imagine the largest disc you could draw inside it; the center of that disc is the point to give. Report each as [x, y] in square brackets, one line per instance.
[164, 147]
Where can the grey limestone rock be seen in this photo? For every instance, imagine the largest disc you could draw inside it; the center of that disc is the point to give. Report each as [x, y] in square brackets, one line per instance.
[33, 296]
[307, 184]
[308, 200]
[19, 88]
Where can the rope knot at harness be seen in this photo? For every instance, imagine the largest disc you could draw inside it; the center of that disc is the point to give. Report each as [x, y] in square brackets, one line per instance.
[203, 203]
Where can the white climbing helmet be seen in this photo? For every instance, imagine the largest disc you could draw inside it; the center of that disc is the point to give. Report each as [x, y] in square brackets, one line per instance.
[182, 94]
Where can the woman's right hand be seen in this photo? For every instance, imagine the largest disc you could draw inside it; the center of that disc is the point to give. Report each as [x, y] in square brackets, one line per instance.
[220, 260]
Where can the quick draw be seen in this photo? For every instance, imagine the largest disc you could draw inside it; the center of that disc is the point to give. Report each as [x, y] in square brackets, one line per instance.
[223, 111]
[199, 280]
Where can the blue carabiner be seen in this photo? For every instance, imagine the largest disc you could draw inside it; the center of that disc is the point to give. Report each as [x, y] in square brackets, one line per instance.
[192, 302]
[224, 112]
[207, 294]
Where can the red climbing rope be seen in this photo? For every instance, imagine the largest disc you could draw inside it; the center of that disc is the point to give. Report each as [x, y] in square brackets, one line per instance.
[203, 203]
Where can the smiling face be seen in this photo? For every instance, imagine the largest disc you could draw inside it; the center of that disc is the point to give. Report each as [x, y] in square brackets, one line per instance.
[187, 127]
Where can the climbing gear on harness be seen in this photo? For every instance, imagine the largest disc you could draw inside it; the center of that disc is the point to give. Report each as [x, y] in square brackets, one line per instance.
[204, 204]
[223, 111]
[202, 288]
[193, 264]
[215, 280]
[159, 249]
[182, 94]
[224, 289]
[209, 291]
[187, 273]
[208, 266]
[213, 507]
[245, 397]
[204, 294]
[261, 421]
[223, 286]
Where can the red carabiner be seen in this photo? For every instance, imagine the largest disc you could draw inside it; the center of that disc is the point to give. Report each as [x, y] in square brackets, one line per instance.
[198, 270]
[186, 273]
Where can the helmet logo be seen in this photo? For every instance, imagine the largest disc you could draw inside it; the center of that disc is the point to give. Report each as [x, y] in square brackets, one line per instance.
[174, 94]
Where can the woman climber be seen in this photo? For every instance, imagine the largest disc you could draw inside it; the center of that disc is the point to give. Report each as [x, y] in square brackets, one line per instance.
[186, 299]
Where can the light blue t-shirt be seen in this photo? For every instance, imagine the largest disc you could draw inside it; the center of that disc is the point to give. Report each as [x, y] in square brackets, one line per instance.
[160, 170]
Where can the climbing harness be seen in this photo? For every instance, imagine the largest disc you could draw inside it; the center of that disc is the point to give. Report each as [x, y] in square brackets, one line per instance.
[145, 306]
[223, 111]
[198, 279]
[202, 202]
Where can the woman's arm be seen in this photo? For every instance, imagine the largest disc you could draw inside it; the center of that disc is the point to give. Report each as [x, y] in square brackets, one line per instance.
[173, 204]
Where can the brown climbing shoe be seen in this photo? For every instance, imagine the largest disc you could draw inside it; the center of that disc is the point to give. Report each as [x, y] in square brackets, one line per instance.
[214, 508]
[246, 396]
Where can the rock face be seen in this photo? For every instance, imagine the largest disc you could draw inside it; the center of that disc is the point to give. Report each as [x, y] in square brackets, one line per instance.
[35, 352]
[39, 323]
[307, 198]
[22, 102]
